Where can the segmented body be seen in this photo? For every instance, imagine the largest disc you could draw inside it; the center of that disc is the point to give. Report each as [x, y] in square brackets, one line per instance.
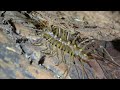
[72, 50]
[61, 38]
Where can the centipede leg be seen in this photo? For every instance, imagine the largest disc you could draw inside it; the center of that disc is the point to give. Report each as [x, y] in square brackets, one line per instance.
[37, 44]
[84, 41]
[92, 49]
[93, 74]
[62, 53]
[71, 63]
[82, 69]
[53, 53]
[69, 67]
[110, 56]
[76, 68]
[58, 58]
[67, 71]
[48, 50]
[48, 47]
[44, 51]
[73, 42]
[87, 45]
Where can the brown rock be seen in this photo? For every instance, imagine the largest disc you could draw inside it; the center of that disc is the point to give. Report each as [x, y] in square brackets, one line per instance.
[3, 38]
[24, 31]
[40, 73]
[59, 70]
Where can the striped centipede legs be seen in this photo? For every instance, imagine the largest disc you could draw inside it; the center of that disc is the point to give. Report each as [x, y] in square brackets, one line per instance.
[106, 52]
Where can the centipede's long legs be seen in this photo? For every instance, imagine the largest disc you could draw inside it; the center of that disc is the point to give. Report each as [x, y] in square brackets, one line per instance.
[52, 51]
[70, 51]
[106, 52]
[76, 69]
[37, 44]
[69, 66]
[110, 56]
[43, 51]
[57, 56]
[86, 44]
[73, 42]
[65, 73]
[72, 57]
[58, 45]
[40, 34]
[40, 44]
[83, 70]
[67, 70]
[63, 52]
[49, 52]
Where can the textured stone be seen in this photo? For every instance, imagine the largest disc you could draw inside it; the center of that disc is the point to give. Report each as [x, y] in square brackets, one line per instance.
[3, 38]
[40, 73]
[13, 64]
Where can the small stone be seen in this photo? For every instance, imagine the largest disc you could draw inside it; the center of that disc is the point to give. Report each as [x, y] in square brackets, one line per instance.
[77, 20]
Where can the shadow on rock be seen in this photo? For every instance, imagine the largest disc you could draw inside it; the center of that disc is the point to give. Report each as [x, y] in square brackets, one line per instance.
[116, 44]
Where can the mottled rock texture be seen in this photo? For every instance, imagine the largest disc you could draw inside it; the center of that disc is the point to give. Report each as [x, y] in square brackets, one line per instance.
[20, 59]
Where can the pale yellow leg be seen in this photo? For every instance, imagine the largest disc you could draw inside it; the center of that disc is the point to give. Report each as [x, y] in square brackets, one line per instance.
[37, 44]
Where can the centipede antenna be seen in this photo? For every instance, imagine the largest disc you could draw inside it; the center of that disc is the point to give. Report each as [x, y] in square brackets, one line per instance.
[110, 56]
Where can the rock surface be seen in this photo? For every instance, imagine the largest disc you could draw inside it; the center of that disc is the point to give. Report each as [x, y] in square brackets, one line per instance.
[19, 59]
